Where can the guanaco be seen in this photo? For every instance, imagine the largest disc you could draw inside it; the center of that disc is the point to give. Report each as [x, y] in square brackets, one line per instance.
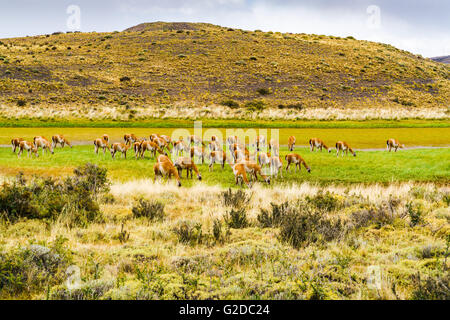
[291, 143]
[105, 137]
[166, 169]
[319, 144]
[274, 148]
[394, 143]
[344, 147]
[264, 159]
[187, 164]
[129, 139]
[179, 147]
[15, 142]
[42, 142]
[29, 147]
[260, 141]
[297, 160]
[151, 146]
[119, 147]
[162, 158]
[240, 174]
[217, 156]
[255, 169]
[276, 166]
[198, 152]
[101, 143]
[59, 138]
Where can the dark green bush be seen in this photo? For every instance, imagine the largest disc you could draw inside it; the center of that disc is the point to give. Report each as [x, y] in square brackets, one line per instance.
[230, 103]
[236, 199]
[151, 209]
[415, 213]
[189, 232]
[236, 218]
[321, 201]
[303, 226]
[255, 105]
[72, 200]
[274, 217]
[432, 288]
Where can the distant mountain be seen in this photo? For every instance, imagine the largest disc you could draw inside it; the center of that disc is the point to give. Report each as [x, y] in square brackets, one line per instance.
[443, 59]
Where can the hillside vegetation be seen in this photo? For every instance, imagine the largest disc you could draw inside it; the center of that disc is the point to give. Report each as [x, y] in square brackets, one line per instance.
[167, 69]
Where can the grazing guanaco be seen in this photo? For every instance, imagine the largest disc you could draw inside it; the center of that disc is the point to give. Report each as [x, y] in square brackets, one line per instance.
[240, 174]
[255, 169]
[42, 142]
[151, 146]
[166, 169]
[297, 160]
[15, 143]
[129, 139]
[276, 166]
[264, 159]
[198, 152]
[101, 143]
[291, 143]
[162, 143]
[29, 147]
[192, 139]
[217, 156]
[188, 165]
[119, 147]
[154, 136]
[162, 158]
[168, 141]
[319, 144]
[344, 147]
[59, 138]
[393, 143]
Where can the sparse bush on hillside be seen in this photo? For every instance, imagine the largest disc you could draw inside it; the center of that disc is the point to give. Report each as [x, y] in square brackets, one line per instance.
[432, 288]
[230, 103]
[415, 213]
[327, 202]
[150, 209]
[255, 105]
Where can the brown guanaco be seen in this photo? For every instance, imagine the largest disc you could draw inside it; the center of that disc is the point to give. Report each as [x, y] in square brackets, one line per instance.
[291, 143]
[342, 146]
[188, 165]
[394, 143]
[297, 160]
[319, 144]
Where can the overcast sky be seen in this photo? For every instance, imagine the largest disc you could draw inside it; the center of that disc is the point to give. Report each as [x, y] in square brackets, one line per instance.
[418, 26]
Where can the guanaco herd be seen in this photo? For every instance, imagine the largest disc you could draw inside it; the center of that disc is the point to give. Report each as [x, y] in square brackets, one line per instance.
[243, 163]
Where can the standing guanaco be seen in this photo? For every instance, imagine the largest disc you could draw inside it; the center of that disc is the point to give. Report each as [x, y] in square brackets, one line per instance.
[297, 160]
[59, 138]
[276, 166]
[344, 147]
[255, 169]
[198, 152]
[291, 143]
[319, 144]
[129, 139]
[264, 159]
[101, 143]
[393, 143]
[217, 156]
[15, 143]
[151, 146]
[187, 164]
[119, 147]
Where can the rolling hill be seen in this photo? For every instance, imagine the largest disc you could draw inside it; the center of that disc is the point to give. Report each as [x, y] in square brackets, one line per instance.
[164, 65]
[443, 59]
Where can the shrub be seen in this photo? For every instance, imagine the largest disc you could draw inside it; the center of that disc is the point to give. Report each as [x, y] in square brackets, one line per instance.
[255, 105]
[296, 106]
[230, 103]
[237, 199]
[326, 202]
[264, 91]
[303, 226]
[432, 288]
[379, 216]
[273, 218]
[415, 213]
[72, 200]
[220, 235]
[152, 210]
[21, 102]
[189, 232]
[123, 79]
[236, 218]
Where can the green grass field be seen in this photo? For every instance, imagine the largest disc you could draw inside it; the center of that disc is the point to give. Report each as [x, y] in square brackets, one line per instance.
[366, 167]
